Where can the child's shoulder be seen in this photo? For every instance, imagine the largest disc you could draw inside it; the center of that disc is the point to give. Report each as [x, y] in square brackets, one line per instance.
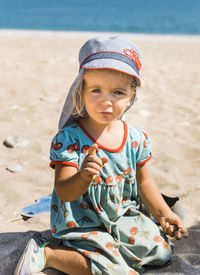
[68, 131]
[71, 129]
[136, 133]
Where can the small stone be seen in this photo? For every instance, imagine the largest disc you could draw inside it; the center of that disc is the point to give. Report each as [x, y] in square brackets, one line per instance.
[145, 113]
[44, 157]
[14, 168]
[14, 107]
[16, 141]
[46, 98]
[52, 61]
[184, 123]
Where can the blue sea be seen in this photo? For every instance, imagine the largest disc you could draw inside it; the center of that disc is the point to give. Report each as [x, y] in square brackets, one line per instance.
[133, 16]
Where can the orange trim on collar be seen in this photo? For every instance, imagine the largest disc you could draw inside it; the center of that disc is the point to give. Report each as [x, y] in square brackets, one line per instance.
[144, 161]
[67, 163]
[117, 150]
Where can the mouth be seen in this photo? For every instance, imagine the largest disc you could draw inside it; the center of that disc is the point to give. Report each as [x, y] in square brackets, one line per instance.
[106, 113]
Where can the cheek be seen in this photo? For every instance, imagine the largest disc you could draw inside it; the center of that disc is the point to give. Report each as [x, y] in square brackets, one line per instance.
[88, 100]
[89, 103]
[123, 104]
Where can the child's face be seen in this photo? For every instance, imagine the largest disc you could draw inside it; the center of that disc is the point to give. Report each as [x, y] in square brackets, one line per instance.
[106, 95]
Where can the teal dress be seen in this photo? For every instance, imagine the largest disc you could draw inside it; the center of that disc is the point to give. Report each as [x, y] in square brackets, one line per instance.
[105, 223]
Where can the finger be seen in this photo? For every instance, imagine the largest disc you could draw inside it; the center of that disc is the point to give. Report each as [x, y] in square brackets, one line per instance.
[169, 229]
[177, 235]
[182, 228]
[163, 224]
[93, 158]
[93, 149]
[104, 160]
[183, 231]
[93, 165]
[173, 231]
[91, 171]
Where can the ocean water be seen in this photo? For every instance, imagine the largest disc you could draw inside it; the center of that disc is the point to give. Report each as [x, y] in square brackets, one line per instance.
[135, 16]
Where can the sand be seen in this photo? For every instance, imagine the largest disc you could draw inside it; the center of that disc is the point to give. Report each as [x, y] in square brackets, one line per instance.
[36, 70]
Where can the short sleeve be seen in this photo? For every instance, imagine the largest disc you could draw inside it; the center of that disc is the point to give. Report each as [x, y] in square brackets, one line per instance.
[64, 150]
[144, 152]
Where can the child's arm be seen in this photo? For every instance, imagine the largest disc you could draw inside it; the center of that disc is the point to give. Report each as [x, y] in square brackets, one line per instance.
[153, 200]
[70, 184]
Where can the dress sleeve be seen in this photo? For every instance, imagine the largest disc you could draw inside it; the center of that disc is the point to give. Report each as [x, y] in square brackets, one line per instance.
[64, 150]
[144, 152]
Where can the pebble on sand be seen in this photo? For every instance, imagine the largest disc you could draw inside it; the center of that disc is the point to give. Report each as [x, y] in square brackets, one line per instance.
[184, 123]
[145, 113]
[16, 141]
[46, 98]
[14, 168]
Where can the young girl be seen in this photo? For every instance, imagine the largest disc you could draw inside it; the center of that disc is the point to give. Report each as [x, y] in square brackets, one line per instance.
[101, 176]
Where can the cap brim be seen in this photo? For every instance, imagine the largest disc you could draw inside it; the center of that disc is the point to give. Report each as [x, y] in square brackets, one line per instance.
[113, 64]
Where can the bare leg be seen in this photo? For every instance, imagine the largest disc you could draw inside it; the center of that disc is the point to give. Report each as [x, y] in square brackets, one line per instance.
[67, 260]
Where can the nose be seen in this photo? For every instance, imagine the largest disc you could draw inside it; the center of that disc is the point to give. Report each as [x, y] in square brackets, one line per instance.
[107, 99]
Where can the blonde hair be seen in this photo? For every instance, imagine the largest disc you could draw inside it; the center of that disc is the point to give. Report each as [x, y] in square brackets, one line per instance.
[78, 97]
[78, 101]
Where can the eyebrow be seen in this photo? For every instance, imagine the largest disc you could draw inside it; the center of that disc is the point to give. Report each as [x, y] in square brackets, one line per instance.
[92, 87]
[99, 87]
[120, 88]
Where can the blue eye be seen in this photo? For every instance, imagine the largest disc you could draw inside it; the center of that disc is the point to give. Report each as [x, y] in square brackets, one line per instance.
[96, 91]
[119, 93]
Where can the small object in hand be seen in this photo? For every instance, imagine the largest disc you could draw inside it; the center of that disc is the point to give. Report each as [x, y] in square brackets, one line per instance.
[175, 227]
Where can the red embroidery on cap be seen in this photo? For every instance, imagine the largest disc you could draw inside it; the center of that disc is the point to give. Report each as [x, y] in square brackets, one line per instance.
[134, 57]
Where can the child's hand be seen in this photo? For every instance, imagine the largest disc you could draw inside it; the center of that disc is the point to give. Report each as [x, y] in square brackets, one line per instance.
[173, 226]
[92, 164]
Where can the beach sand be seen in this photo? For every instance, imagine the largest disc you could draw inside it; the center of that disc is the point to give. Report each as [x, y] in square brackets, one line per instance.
[36, 70]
